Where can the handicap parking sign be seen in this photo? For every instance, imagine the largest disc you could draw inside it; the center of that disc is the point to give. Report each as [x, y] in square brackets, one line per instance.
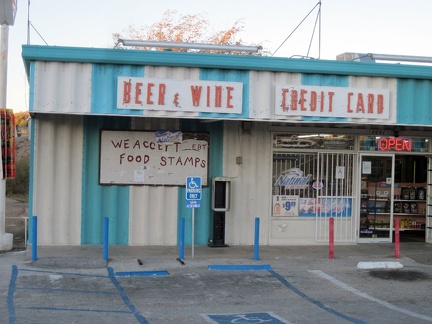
[193, 188]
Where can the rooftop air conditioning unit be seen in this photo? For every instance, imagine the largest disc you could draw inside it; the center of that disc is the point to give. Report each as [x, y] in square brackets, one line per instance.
[354, 57]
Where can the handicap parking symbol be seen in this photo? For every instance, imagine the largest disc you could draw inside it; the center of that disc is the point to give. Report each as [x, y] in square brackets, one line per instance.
[247, 318]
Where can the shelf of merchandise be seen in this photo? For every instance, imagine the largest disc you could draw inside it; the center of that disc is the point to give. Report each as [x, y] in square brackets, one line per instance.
[382, 215]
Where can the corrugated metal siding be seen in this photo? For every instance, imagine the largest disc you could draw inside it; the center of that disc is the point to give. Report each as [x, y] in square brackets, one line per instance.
[56, 184]
[262, 93]
[153, 209]
[250, 184]
[61, 87]
[102, 201]
[104, 87]
[325, 80]
[414, 102]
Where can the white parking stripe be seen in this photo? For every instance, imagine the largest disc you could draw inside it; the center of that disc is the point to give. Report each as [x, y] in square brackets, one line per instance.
[368, 297]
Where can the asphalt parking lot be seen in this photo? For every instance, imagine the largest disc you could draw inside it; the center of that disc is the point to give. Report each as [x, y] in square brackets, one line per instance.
[286, 285]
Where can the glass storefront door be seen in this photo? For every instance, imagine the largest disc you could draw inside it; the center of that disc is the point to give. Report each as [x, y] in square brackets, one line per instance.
[376, 200]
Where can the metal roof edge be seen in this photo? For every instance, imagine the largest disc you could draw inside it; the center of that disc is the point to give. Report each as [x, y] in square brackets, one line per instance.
[220, 61]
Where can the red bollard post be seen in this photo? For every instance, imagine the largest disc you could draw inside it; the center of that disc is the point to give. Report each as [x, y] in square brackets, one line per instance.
[331, 238]
[397, 239]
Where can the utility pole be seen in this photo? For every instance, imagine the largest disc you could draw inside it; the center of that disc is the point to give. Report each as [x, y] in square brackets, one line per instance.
[7, 17]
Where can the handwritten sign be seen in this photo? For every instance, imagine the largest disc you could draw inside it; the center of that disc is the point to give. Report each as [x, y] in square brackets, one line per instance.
[137, 158]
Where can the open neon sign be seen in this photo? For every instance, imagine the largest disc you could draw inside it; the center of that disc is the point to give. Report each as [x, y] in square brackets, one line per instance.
[394, 144]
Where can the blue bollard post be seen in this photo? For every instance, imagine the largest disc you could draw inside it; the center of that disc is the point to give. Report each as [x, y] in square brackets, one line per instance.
[181, 243]
[34, 238]
[105, 239]
[256, 241]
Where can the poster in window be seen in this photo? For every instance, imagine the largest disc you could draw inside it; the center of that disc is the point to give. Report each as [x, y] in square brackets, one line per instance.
[285, 205]
[329, 207]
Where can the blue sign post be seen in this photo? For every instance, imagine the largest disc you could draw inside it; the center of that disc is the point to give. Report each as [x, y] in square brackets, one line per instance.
[193, 200]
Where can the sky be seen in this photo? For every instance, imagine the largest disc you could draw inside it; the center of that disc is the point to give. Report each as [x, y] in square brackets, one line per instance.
[401, 27]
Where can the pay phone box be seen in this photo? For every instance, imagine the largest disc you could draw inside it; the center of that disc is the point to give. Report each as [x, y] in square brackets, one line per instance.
[220, 204]
[221, 194]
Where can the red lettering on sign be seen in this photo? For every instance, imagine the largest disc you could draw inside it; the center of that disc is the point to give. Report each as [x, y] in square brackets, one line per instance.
[196, 95]
[380, 103]
[370, 105]
[284, 101]
[149, 93]
[162, 91]
[350, 94]
[294, 96]
[375, 103]
[127, 86]
[302, 99]
[313, 101]
[229, 97]
[360, 103]
[208, 96]
[218, 96]
[331, 94]
[138, 86]
[322, 101]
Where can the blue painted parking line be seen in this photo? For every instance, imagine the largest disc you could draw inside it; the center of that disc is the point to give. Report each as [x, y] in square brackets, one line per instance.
[141, 319]
[286, 284]
[69, 291]
[141, 273]
[242, 267]
[75, 309]
[314, 301]
[10, 298]
[64, 273]
[12, 309]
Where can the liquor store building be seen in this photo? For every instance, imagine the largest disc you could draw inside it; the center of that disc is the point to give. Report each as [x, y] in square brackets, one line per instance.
[130, 135]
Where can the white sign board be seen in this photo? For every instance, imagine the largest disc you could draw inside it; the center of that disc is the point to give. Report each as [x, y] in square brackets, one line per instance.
[179, 95]
[138, 158]
[317, 101]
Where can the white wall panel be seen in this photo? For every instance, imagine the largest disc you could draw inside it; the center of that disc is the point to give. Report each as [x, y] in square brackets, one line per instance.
[153, 215]
[57, 179]
[62, 87]
[250, 184]
[153, 210]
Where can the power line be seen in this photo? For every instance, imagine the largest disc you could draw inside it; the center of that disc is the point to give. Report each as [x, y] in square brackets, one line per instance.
[319, 13]
[318, 18]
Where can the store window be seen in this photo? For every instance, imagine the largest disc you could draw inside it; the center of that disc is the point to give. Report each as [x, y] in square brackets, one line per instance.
[312, 175]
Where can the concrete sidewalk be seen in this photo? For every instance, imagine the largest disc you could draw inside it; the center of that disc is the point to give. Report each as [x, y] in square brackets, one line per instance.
[79, 257]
